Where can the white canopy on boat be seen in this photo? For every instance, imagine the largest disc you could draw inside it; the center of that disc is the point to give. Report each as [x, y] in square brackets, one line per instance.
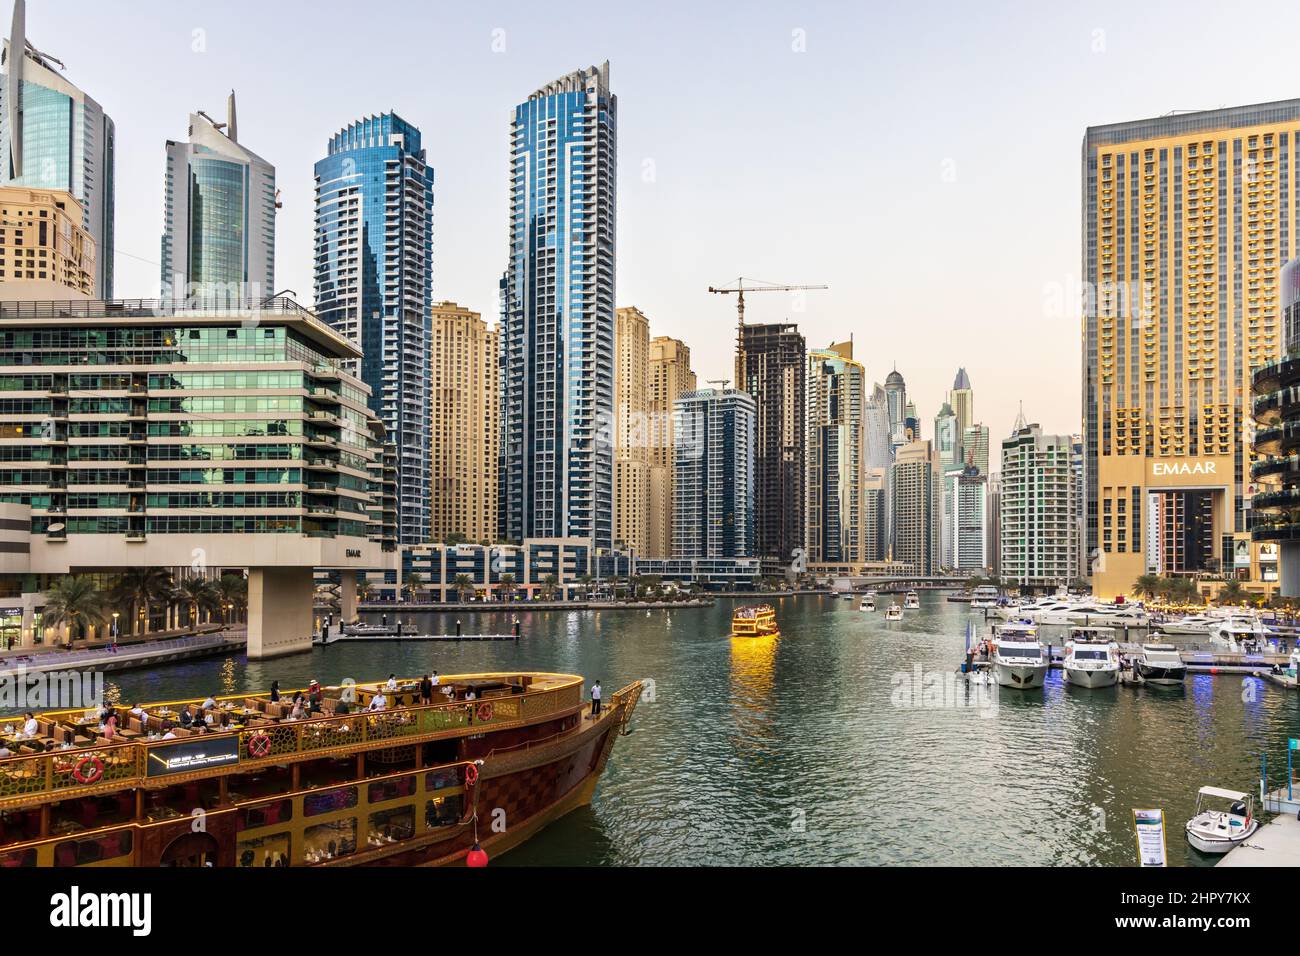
[1225, 794]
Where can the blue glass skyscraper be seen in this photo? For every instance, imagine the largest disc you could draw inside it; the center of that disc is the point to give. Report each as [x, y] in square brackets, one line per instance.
[374, 279]
[557, 314]
[54, 136]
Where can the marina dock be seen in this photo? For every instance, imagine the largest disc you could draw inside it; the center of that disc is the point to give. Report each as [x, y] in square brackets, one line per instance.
[127, 656]
[1276, 843]
[407, 638]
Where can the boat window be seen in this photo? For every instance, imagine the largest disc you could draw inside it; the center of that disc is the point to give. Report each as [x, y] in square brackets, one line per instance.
[443, 811]
[328, 841]
[314, 804]
[264, 815]
[390, 826]
[382, 790]
[107, 846]
[442, 779]
[1088, 654]
[272, 850]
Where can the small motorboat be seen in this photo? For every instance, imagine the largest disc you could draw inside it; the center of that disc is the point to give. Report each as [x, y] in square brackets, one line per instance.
[911, 602]
[1019, 657]
[868, 603]
[894, 613]
[1091, 657]
[1161, 664]
[1217, 830]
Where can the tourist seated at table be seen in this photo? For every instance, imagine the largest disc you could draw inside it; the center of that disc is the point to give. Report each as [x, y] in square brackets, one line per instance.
[168, 733]
[341, 708]
[4, 750]
[379, 701]
[392, 682]
[209, 704]
[137, 710]
[470, 695]
[449, 692]
[31, 727]
[186, 717]
[69, 741]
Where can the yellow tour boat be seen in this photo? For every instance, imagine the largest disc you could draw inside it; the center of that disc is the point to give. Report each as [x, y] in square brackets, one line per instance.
[754, 620]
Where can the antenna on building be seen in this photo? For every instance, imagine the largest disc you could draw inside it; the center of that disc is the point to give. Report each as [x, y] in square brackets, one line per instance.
[722, 383]
[1021, 424]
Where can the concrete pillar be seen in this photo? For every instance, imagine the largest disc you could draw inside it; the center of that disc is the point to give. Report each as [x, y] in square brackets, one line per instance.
[348, 596]
[1289, 568]
[279, 611]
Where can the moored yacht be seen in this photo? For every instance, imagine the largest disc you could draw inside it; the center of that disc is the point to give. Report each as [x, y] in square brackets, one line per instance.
[1217, 830]
[1091, 657]
[1084, 613]
[984, 596]
[1019, 658]
[1161, 664]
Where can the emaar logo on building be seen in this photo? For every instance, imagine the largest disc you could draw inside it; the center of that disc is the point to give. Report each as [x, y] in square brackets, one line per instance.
[1161, 468]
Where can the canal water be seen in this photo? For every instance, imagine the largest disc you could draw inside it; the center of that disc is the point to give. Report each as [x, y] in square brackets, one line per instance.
[840, 742]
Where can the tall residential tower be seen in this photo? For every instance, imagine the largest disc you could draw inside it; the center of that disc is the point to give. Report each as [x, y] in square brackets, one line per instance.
[53, 136]
[1187, 220]
[557, 318]
[374, 280]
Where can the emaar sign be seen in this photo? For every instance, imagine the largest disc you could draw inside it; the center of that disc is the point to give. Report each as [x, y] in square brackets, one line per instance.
[1161, 469]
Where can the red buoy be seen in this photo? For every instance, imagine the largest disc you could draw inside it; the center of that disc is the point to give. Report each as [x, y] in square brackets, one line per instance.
[476, 857]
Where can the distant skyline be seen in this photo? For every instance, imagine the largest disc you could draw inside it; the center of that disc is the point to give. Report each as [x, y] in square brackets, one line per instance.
[922, 162]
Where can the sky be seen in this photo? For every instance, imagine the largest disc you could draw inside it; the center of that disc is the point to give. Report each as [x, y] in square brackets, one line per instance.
[920, 159]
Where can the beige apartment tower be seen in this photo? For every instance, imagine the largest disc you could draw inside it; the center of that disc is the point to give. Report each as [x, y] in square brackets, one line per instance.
[1188, 219]
[43, 242]
[670, 378]
[465, 402]
[631, 439]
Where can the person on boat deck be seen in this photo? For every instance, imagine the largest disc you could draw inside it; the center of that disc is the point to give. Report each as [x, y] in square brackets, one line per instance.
[595, 699]
[109, 729]
[341, 708]
[68, 741]
[392, 682]
[299, 711]
[275, 692]
[378, 702]
[168, 733]
[470, 695]
[433, 679]
[5, 751]
[31, 726]
[209, 704]
[137, 710]
[426, 690]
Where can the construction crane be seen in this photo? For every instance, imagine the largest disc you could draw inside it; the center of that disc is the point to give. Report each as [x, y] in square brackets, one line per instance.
[740, 290]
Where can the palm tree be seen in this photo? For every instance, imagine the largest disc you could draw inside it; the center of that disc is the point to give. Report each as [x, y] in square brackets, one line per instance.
[200, 594]
[141, 589]
[507, 587]
[363, 590]
[549, 584]
[232, 592]
[464, 587]
[414, 584]
[1146, 585]
[1231, 593]
[74, 603]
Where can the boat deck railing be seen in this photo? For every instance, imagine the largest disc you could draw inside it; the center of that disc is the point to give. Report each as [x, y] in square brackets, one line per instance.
[32, 778]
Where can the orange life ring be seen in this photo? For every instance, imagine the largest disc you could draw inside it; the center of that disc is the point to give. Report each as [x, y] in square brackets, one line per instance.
[471, 775]
[92, 775]
[485, 711]
[259, 745]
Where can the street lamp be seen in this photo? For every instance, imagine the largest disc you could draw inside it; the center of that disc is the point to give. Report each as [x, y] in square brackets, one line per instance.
[115, 615]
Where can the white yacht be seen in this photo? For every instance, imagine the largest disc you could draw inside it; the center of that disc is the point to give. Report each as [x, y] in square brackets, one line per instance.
[894, 613]
[1293, 665]
[868, 603]
[1218, 831]
[1198, 624]
[1161, 664]
[1019, 658]
[1092, 657]
[1244, 634]
[984, 596]
[911, 601]
[1084, 613]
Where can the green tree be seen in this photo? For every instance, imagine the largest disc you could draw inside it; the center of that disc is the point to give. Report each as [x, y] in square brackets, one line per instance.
[549, 587]
[507, 587]
[199, 595]
[1146, 586]
[142, 589]
[74, 604]
[232, 593]
[464, 587]
[414, 584]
